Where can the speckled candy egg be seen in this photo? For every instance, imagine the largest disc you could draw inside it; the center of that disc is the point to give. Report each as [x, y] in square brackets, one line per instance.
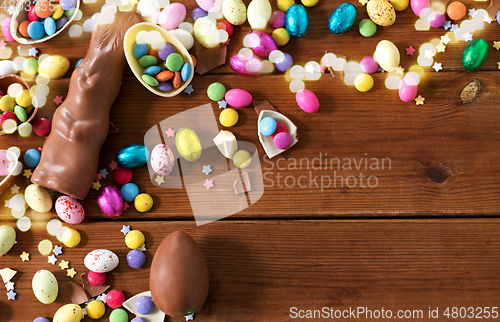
[265, 45]
[381, 12]
[69, 210]
[342, 18]
[54, 66]
[234, 11]
[238, 98]
[38, 198]
[101, 261]
[387, 55]
[246, 67]
[172, 16]
[7, 238]
[162, 160]
[307, 101]
[259, 12]
[110, 201]
[45, 287]
[205, 4]
[68, 313]
[297, 21]
[204, 30]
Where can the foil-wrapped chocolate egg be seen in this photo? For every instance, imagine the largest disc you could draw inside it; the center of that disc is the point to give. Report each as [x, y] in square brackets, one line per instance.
[261, 43]
[246, 67]
[110, 201]
[297, 20]
[132, 156]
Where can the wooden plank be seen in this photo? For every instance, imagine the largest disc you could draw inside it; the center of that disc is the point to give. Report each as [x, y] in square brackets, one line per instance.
[260, 269]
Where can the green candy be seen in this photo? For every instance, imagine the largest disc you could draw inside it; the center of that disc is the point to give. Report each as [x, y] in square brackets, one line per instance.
[118, 315]
[151, 81]
[20, 113]
[30, 66]
[148, 60]
[367, 28]
[216, 91]
[174, 62]
[68, 13]
[475, 54]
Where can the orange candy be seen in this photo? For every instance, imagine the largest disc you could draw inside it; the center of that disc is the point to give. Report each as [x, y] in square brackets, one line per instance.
[456, 10]
[44, 8]
[194, 60]
[23, 28]
[164, 76]
[177, 80]
[154, 52]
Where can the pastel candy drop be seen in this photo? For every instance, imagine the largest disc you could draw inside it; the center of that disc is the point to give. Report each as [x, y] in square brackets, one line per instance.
[198, 13]
[369, 65]
[140, 50]
[285, 64]
[152, 70]
[267, 126]
[408, 88]
[165, 50]
[283, 140]
[50, 26]
[6, 29]
[185, 72]
[164, 86]
[238, 98]
[174, 62]
[61, 22]
[148, 60]
[307, 101]
[342, 18]
[35, 30]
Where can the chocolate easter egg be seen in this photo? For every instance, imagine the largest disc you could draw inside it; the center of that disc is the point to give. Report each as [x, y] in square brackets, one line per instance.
[132, 156]
[475, 54]
[297, 21]
[179, 275]
[342, 18]
[110, 201]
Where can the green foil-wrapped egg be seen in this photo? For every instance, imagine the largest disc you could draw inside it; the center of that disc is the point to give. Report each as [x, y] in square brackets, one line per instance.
[188, 144]
[475, 54]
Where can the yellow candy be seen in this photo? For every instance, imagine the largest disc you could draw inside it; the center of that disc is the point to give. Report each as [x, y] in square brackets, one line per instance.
[24, 100]
[188, 144]
[7, 103]
[95, 309]
[54, 66]
[29, 109]
[310, 3]
[283, 5]
[228, 117]
[281, 36]
[400, 5]
[58, 12]
[242, 159]
[363, 82]
[135, 239]
[71, 237]
[143, 203]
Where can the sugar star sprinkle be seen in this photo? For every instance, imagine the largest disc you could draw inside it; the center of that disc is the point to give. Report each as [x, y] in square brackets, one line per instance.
[310, 69]
[428, 54]
[206, 169]
[9, 286]
[454, 28]
[468, 37]
[472, 12]
[113, 165]
[84, 311]
[419, 100]
[142, 248]
[437, 66]
[64, 264]
[399, 70]
[102, 297]
[189, 90]
[104, 173]
[27, 173]
[409, 51]
[25, 256]
[190, 317]
[2, 44]
[125, 230]
[496, 45]
[125, 205]
[7, 203]
[170, 133]
[487, 19]
[208, 184]
[441, 48]
[11, 295]
[33, 52]
[14, 189]
[222, 104]
[58, 100]
[445, 39]
[52, 259]
[96, 185]
[447, 25]
[71, 272]
[97, 177]
[57, 250]
[498, 63]
[160, 179]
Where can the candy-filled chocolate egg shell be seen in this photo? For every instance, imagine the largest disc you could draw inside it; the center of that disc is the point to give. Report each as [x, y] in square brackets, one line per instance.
[179, 275]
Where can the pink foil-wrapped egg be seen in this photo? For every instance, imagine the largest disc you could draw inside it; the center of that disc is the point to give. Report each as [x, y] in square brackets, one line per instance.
[246, 67]
[205, 4]
[69, 210]
[162, 160]
[408, 88]
[238, 98]
[277, 19]
[307, 101]
[261, 43]
[172, 16]
[6, 29]
[110, 201]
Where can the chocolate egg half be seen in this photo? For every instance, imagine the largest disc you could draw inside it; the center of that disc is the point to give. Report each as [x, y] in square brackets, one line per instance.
[179, 275]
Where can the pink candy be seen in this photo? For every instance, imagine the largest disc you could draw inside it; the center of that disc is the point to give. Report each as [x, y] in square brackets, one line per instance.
[283, 140]
[238, 98]
[408, 88]
[307, 101]
[6, 29]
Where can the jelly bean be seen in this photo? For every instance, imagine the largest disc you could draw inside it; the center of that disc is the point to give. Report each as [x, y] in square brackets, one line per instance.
[152, 70]
[242, 159]
[129, 191]
[151, 81]
[174, 62]
[216, 91]
[50, 26]
[140, 50]
[148, 60]
[35, 30]
[164, 76]
[164, 86]
[185, 72]
[307, 101]
[267, 126]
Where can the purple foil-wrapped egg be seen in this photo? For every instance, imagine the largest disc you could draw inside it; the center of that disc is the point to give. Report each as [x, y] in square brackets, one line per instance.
[110, 201]
[261, 43]
[245, 65]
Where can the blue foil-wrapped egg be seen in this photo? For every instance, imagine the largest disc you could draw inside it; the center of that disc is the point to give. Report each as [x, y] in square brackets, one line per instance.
[297, 21]
[132, 156]
[342, 18]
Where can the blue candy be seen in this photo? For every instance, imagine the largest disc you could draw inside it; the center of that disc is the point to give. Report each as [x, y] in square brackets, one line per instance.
[152, 70]
[342, 18]
[50, 26]
[140, 50]
[78, 62]
[35, 30]
[186, 72]
[32, 158]
[129, 191]
[297, 20]
[267, 126]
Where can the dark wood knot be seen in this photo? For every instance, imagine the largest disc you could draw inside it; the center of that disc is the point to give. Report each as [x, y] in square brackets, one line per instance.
[437, 173]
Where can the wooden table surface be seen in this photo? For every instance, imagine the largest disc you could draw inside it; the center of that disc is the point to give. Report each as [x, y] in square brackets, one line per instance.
[425, 237]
